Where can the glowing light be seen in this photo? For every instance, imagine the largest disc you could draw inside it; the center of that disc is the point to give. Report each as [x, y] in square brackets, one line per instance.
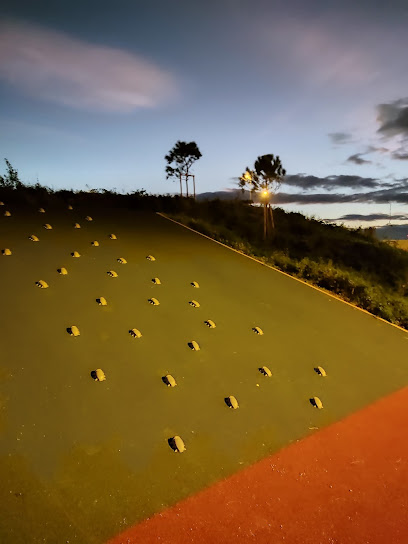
[265, 192]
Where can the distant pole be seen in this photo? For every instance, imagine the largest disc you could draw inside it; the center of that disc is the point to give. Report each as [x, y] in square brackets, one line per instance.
[181, 187]
[187, 185]
[194, 185]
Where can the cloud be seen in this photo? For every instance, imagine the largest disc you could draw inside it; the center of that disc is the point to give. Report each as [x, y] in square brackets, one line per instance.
[389, 192]
[56, 67]
[316, 198]
[370, 217]
[320, 51]
[329, 183]
[339, 138]
[393, 118]
[400, 155]
[372, 149]
[356, 159]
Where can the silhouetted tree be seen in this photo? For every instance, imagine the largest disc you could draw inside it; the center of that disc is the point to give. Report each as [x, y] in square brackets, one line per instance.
[179, 161]
[265, 179]
[246, 180]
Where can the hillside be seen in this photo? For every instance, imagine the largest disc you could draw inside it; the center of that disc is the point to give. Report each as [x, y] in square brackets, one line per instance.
[353, 264]
[85, 459]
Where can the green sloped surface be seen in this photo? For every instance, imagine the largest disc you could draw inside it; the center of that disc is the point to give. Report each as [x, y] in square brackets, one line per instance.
[82, 460]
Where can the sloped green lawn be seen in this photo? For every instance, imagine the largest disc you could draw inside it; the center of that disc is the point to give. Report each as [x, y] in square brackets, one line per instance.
[81, 460]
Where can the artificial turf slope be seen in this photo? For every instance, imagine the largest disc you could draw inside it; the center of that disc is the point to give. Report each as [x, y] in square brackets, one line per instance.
[83, 460]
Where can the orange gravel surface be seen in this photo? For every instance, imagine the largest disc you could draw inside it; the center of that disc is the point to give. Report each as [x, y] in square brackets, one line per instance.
[347, 483]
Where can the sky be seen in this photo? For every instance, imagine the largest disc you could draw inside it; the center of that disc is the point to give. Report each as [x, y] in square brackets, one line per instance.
[95, 94]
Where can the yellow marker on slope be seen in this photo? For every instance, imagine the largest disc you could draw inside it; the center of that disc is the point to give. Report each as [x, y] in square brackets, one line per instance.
[317, 402]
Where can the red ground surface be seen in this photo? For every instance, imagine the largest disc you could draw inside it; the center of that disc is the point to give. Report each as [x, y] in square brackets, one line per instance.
[347, 483]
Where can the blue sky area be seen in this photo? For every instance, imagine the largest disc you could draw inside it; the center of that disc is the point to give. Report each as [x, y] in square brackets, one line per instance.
[96, 93]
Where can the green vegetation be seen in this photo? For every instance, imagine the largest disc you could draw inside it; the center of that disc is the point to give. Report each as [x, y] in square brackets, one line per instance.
[11, 180]
[352, 264]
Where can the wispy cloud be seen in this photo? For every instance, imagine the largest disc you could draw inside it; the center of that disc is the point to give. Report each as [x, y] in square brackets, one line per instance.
[343, 138]
[375, 149]
[357, 159]
[56, 67]
[400, 156]
[322, 53]
[340, 138]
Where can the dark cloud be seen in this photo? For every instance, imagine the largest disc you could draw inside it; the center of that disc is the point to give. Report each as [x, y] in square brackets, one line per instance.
[340, 137]
[400, 156]
[356, 159]
[391, 192]
[331, 182]
[369, 217]
[393, 118]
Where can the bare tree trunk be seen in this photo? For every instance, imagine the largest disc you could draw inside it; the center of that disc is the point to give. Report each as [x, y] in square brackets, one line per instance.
[271, 214]
[265, 217]
[194, 186]
[269, 223]
[187, 185]
[181, 187]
